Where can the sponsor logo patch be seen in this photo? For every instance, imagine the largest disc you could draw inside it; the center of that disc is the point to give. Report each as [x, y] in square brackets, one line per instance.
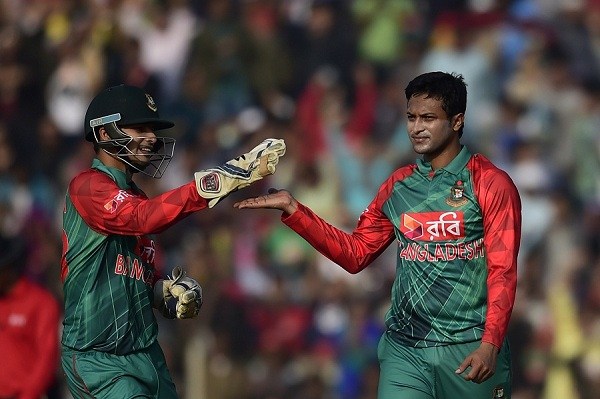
[112, 205]
[433, 226]
[210, 183]
[411, 227]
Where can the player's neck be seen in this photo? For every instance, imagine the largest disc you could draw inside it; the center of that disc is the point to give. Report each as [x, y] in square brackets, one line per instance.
[112, 161]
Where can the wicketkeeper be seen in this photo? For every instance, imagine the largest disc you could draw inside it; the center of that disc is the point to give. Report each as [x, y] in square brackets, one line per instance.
[111, 284]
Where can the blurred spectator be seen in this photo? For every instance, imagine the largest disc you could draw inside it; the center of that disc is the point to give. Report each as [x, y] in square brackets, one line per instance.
[578, 27]
[585, 146]
[220, 51]
[164, 30]
[462, 42]
[68, 92]
[326, 38]
[269, 64]
[384, 26]
[29, 321]
[533, 179]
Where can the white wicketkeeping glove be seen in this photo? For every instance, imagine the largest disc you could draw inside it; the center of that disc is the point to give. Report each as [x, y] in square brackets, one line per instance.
[216, 183]
[179, 296]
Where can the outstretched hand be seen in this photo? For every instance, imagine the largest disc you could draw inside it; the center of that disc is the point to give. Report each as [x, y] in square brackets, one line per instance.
[482, 362]
[275, 199]
[214, 184]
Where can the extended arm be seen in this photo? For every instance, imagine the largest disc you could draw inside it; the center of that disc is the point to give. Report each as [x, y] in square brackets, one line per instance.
[354, 251]
[110, 210]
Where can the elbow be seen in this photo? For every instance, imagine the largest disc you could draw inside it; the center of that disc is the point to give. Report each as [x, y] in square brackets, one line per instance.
[354, 268]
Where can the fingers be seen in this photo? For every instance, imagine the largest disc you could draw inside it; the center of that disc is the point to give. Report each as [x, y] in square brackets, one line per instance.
[269, 158]
[188, 297]
[263, 166]
[478, 373]
[271, 200]
[274, 145]
[257, 202]
[463, 366]
[188, 305]
[187, 311]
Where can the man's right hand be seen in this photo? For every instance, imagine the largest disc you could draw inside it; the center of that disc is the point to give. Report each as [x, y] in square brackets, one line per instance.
[275, 199]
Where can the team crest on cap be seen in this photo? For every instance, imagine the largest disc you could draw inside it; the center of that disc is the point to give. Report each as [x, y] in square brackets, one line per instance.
[457, 195]
[150, 102]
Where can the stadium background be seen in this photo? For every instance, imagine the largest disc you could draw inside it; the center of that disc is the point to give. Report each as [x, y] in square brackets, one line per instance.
[279, 321]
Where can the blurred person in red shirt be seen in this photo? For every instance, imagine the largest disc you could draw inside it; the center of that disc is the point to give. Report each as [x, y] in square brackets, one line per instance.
[29, 327]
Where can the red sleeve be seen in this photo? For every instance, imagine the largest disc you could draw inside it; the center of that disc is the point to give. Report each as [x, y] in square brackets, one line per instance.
[501, 208]
[42, 371]
[352, 251]
[110, 210]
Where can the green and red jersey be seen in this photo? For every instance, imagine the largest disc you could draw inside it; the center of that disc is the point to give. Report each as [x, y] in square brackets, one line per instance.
[108, 261]
[458, 233]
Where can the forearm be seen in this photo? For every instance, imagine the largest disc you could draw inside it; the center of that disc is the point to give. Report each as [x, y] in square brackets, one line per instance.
[161, 212]
[353, 252]
[501, 286]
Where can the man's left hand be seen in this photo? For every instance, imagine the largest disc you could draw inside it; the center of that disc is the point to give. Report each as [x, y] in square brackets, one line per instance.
[482, 362]
[179, 296]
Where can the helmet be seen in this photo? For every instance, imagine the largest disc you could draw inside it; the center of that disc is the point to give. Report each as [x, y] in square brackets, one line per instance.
[122, 106]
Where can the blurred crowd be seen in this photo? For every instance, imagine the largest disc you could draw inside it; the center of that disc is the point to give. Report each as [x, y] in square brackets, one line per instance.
[279, 320]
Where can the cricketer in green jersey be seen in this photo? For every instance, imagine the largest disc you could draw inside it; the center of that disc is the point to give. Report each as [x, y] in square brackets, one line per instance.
[456, 221]
[110, 280]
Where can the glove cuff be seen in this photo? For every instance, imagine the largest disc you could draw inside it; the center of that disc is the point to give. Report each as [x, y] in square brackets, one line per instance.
[162, 299]
[214, 186]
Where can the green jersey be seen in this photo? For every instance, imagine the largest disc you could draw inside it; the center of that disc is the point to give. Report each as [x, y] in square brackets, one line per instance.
[108, 262]
[457, 231]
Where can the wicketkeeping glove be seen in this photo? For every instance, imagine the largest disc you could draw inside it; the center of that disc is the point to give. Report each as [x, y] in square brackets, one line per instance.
[216, 183]
[179, 296]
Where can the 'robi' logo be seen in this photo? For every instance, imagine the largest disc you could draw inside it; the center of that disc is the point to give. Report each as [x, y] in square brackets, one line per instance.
[433, 226]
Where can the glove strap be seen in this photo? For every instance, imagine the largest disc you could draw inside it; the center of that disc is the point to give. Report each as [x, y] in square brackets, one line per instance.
[166, 305]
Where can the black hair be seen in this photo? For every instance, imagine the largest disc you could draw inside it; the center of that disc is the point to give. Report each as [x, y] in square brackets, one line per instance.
[449, 88]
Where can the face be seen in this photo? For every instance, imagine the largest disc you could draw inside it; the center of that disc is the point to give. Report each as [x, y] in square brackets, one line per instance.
[432, 133]
[142, 147]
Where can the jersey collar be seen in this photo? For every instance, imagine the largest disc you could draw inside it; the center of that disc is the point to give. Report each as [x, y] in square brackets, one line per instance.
[455, 166]
[117, 175]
